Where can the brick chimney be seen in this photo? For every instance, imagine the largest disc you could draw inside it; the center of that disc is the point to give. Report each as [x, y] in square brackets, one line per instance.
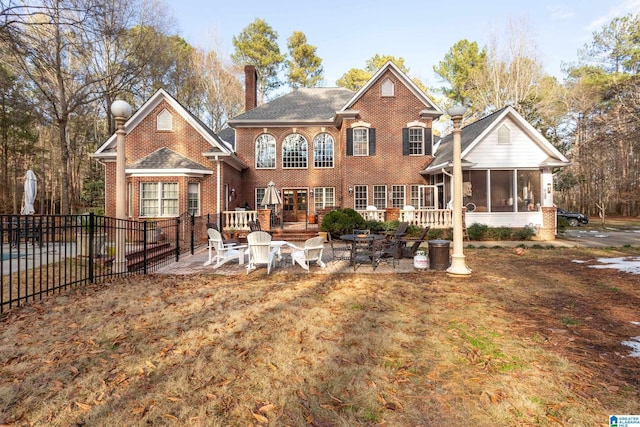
[250, 87]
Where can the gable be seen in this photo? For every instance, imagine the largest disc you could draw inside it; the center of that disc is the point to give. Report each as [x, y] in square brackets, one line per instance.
[149, 112]
[521, 151]
[391, 73]
[528, 148]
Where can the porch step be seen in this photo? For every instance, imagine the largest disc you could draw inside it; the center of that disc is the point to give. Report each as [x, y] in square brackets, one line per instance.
[294, 235]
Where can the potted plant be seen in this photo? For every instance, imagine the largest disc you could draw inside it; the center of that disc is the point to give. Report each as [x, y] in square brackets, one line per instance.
[420, 260]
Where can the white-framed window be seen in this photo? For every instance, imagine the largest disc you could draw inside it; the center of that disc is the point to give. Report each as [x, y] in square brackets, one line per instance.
[129, 199]
[397, 196]
[415, 196]
[164, 120]
[323, 151]
[324, 197]
[294, 151]
[387, 88]
[360, 197]
[416, 141]
[260, 192]
[380, 196]
[158, 199]
[504, 135]
[265, 152]
[193, 202]
[361, 142]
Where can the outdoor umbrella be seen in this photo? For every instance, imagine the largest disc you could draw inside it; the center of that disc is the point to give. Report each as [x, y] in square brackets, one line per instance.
[271, 196]
[30, 191]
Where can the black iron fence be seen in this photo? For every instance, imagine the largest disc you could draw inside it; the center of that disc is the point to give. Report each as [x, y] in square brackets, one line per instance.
[43, 255]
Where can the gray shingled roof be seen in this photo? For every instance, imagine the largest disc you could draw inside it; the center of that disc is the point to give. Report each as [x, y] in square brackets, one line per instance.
[165, 158]
[306, 104]
[228, 135]
[468, 134]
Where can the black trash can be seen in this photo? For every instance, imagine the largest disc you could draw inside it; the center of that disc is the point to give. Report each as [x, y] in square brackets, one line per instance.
[439, 254]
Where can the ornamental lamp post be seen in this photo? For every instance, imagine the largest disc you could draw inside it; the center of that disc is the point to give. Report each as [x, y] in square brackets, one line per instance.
[121, 111]
[458, 265]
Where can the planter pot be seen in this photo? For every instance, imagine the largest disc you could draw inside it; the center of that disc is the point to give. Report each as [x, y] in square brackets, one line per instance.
[420, 262]
[313, 219]
[323, 234]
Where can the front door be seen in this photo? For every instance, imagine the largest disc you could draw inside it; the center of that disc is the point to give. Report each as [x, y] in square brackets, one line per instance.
[295, 205]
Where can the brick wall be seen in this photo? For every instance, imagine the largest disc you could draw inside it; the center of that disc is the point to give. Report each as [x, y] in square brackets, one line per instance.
[388, 167]
[145, 139]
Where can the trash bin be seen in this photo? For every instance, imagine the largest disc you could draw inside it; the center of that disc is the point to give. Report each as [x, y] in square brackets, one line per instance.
[439, 254]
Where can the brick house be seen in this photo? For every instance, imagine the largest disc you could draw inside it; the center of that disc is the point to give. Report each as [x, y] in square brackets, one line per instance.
[371, 150]
[326, 147]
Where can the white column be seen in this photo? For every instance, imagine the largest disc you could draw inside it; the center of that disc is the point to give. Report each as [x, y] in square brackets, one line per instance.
[458, 264]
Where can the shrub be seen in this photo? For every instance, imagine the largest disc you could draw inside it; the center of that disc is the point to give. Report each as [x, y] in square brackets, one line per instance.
[375, 226]
[477, 231]
[525, 233]
[342, 221]
[499, 233]
[562, 224]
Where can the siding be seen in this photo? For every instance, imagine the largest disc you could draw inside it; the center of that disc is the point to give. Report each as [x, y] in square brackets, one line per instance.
[522, 152]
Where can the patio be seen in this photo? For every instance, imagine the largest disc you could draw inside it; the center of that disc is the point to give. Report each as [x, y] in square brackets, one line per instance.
[193, 264]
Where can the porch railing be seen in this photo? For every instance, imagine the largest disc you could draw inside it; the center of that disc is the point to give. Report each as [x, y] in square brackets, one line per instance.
[434, 218]
[238, 220]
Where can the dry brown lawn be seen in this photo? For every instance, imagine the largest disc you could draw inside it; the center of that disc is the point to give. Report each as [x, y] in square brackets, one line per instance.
[525, 341]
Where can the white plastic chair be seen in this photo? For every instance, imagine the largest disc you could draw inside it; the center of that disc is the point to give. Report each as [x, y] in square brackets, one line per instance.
[311, 252]
[260, 250]
[224, 251]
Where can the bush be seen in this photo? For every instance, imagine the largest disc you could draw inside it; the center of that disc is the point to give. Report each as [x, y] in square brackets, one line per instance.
[375, 226]
[562, 224]
[342, 221]
[499, 233]
[477, 231]
[525, 233]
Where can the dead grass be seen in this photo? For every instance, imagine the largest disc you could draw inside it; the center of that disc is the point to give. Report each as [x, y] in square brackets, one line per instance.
[420, 349]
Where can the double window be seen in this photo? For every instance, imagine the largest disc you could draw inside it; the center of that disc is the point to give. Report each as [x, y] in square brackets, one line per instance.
[158, 199]
[324, 197]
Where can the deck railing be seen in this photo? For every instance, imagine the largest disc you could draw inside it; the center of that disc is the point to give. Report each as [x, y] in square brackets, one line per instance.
[434, 218]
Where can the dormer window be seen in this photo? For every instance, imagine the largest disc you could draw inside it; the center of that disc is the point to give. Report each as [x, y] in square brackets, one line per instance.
[164, 121]
[387, 88]
[504, 135]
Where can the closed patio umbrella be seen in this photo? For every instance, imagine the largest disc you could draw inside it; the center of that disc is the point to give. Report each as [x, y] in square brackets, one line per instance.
[271, 196]
[30, 191]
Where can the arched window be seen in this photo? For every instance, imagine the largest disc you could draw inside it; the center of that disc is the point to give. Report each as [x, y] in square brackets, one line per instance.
[294, 152]
[265, 152]
[323, 151]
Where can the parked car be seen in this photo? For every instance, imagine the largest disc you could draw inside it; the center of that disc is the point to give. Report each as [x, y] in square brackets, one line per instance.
[574, 218]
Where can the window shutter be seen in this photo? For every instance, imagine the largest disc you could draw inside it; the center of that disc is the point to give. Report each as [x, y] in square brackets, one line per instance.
[372, 141]
[405, 141]
[428, 142]
[349, 142]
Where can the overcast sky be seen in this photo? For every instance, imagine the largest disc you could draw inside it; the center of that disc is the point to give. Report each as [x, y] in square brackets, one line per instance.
[348, 33]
